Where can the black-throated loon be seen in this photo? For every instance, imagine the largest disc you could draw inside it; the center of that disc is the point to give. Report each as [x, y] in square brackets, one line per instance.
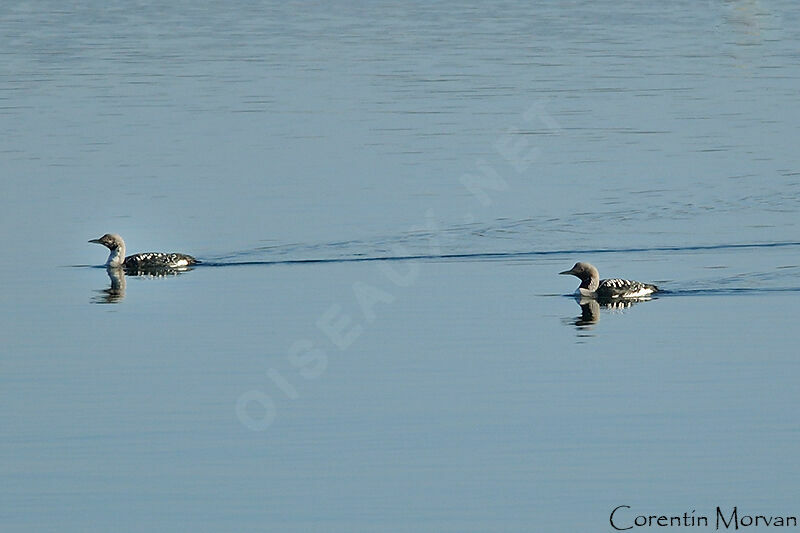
[593, 287]
[143, 262]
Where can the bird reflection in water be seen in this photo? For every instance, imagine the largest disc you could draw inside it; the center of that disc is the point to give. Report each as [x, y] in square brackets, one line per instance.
[115, 293]
[590, 309]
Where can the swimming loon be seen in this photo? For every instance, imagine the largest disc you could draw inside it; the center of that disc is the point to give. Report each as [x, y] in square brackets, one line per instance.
[593, 287]
[138, 263]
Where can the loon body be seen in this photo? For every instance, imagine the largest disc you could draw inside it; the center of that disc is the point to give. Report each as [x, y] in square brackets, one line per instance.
[144, 262]
[604, 289]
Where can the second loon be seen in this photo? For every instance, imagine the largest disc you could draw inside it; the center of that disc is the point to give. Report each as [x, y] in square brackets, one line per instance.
[144, 261]
[593, 287]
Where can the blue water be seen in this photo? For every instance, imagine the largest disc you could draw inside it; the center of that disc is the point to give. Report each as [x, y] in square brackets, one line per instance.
[382, 196]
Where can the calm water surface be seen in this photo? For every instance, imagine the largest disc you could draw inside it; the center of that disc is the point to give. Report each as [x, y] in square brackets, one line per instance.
[382, 196]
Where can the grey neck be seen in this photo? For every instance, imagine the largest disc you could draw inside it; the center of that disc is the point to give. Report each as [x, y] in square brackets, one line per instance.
[590, 281]
[117, 256]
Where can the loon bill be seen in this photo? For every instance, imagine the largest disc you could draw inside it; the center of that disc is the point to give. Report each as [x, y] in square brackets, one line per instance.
[141, 262]
[593, 287]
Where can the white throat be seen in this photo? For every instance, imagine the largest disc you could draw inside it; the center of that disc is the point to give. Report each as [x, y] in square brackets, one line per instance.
[116, 257]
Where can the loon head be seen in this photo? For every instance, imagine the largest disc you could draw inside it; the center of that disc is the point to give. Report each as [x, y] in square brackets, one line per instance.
[110, 241]
[588, 274]
[113, 242]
